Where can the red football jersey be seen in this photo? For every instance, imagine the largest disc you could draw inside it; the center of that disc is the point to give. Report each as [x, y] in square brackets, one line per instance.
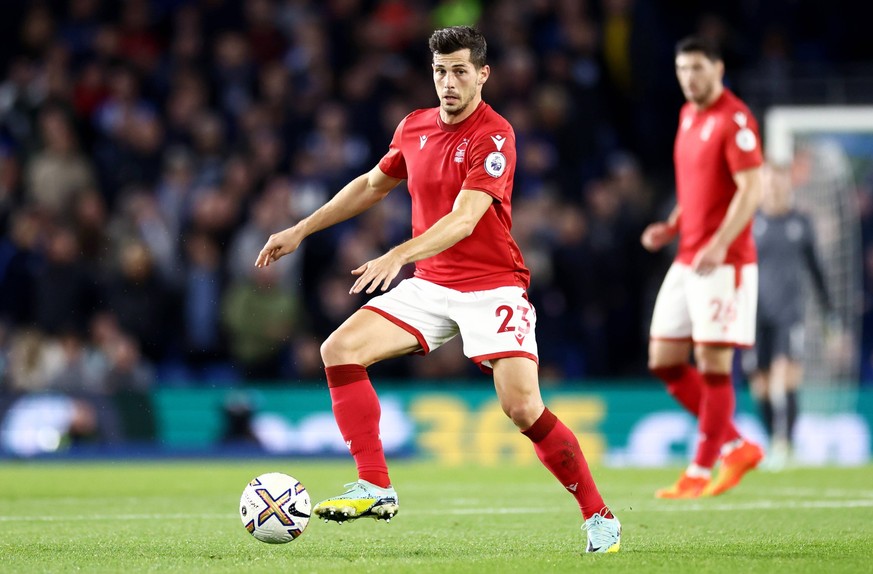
[438, 160]
[711, 145]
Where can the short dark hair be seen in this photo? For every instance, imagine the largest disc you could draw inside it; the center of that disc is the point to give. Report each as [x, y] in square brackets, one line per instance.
[699, 44]
[454, 38]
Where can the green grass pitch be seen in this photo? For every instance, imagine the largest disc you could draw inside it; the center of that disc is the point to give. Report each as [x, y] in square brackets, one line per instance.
[182, 517]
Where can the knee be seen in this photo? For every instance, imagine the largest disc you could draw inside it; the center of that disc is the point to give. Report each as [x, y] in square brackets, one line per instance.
[714, 360]
[710, 367]
[524, 412]
[336, 350]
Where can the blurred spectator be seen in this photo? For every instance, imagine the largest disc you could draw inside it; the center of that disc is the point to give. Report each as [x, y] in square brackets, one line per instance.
[266, 41]
[37, 30]
[186, 102]
[80, 26]
[34, 362]
[271, 211]
[10, 183]
[217, 212]
[82, 370]
[89, 90]
[174, 189]
[20, 96]
[129, 379]
[139, 43]
[233, 72]
[339, 154]
[260, 316]
[64, 287]
[208, 142]
[127, 371]
[89, 220]
[266, 157]
[203, 340]
[128, 133]
[139, 219]
[572, 307]
[123, 105]
[59, 170]
[20, 262]
[142, 301]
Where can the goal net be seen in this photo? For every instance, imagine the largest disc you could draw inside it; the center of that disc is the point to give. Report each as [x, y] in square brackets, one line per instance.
[833, 148]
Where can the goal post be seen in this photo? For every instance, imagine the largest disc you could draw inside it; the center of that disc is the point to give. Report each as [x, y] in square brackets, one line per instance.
[835, 144]
[783, 123]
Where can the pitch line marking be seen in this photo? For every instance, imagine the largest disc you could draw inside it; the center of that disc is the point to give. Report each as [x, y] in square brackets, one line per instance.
[761, 505]
[81, 518]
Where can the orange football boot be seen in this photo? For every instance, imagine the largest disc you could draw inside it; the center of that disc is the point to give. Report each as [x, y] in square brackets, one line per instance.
[685, 487]
[735, 465]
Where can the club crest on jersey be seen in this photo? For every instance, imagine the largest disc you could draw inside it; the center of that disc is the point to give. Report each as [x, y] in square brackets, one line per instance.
[461, 151]
[495, 164]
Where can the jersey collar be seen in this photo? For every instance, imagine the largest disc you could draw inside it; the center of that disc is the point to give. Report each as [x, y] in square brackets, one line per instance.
[455, 127]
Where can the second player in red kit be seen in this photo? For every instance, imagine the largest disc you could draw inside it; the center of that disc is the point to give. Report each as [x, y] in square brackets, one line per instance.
[707, 302]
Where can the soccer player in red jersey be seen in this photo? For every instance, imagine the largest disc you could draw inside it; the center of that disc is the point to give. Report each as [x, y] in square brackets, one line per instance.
[470, 279]
[708, 299]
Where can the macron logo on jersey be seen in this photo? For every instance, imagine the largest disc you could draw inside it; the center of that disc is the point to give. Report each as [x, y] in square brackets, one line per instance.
[498, 141]
[421, 141]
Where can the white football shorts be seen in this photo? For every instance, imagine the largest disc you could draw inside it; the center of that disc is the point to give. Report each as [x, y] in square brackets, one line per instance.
[714, 309]
[493, 324]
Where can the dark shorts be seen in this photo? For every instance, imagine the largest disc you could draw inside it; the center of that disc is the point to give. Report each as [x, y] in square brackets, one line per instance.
[774, 339]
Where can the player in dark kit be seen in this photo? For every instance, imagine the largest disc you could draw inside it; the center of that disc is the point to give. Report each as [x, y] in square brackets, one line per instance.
[470, 279]
[708, 298]
[786, 250]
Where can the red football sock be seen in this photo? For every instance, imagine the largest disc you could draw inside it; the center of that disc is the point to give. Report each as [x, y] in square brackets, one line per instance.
[716, 412]
[685, 383]
[559, 451]
[357, 412]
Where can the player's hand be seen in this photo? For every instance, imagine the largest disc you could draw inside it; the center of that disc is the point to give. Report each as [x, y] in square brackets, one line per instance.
[279, 245]
[377, 273]
[657, 235]
[708, 258]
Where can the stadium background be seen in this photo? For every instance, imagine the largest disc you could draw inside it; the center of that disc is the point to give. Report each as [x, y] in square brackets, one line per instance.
[148, 148]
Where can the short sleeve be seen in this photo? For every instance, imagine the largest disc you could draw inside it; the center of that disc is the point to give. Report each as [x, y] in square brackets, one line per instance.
[743, 143]
[392, 163]
[491, 164]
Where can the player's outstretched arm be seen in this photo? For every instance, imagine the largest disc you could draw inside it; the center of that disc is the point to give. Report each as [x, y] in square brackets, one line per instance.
[468, 209]
[658, 234]
[740, 212]
[356, 197]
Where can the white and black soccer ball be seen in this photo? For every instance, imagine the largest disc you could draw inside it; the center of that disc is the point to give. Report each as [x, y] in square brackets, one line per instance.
[275, 508]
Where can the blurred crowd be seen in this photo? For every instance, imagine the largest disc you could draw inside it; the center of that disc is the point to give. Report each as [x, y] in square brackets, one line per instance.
[149, 147]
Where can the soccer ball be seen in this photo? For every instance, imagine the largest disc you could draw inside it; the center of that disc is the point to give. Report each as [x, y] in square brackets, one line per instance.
[275, 508]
